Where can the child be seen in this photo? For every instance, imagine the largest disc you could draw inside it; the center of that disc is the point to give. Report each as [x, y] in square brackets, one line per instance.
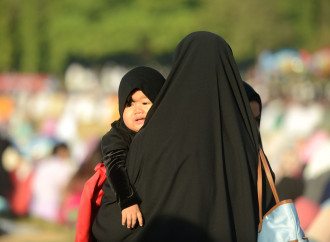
[137, 91]
[255, 102]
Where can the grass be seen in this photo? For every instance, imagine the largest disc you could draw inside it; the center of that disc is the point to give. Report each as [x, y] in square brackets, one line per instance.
[30, 229]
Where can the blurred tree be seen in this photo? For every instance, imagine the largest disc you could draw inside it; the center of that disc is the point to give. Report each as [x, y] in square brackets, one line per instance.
[7, 36]
[28, 23]
[40, 35]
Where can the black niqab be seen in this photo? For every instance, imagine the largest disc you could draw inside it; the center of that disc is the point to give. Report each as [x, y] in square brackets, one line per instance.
[195, 163]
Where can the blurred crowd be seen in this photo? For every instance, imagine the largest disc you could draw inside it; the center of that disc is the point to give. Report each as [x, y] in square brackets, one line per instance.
[295, 129]
[51, 131]
[50, 139]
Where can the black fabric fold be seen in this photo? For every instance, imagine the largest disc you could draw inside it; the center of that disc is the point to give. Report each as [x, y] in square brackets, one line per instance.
[196, 158]
[116, 171]
[119, 137]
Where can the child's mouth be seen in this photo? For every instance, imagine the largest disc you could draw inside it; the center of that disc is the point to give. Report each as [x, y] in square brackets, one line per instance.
[139, 120]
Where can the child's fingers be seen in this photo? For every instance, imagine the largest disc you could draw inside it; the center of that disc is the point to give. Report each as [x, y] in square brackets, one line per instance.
[123, 219]
[129, 221]
[131, 216]
[140, 218]
[133, 220]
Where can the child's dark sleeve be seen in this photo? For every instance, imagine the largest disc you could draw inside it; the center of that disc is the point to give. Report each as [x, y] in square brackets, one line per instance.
[115, 163]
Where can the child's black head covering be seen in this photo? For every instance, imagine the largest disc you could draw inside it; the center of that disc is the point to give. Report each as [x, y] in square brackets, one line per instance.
[146, 79]
[252, 94]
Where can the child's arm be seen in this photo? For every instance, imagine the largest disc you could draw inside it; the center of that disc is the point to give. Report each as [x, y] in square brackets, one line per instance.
[128, 199]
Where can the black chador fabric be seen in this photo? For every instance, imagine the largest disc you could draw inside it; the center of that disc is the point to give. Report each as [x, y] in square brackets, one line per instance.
[194, 164]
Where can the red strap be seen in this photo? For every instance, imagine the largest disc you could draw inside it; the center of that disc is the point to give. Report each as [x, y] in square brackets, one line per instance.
[89, 203]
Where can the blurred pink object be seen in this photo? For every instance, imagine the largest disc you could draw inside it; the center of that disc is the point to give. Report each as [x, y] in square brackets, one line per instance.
[319, 229]
[307, 211]
[24, 82]
[313, 143]
[69, 210]
[51, 176]
[48, 127]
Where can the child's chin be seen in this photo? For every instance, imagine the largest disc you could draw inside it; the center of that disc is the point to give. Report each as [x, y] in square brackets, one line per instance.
[137, 129]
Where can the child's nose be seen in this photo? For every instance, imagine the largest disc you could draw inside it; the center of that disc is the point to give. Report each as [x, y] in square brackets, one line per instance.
[138, 110]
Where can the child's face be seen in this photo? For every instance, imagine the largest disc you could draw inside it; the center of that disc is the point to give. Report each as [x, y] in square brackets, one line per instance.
[136, 111]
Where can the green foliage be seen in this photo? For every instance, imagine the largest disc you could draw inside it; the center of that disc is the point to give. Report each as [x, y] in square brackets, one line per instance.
[45, 35]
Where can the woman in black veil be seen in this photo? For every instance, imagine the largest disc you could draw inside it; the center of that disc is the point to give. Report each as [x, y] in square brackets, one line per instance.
[194, 163]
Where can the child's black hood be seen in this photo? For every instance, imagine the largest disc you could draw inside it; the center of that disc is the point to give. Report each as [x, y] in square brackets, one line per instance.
[146, 79]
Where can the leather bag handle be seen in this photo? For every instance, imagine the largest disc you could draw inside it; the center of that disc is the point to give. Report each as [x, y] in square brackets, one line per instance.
[263, 162]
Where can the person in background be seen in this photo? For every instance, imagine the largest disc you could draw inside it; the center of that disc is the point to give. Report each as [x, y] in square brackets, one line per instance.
[74, 189]
[255, 102]
[49, 182]
[6, 183]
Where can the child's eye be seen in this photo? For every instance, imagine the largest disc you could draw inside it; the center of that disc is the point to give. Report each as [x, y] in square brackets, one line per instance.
[129, 104]
[146, 103]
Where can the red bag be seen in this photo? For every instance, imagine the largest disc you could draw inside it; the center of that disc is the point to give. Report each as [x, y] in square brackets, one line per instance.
[89, 204]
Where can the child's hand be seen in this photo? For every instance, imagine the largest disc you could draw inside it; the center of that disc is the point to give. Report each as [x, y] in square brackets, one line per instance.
[130, 215]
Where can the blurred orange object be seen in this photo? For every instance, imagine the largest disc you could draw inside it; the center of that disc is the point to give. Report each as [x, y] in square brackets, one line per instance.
[7, 106]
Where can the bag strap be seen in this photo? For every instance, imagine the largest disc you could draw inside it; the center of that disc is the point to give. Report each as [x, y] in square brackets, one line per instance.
[263, 162]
